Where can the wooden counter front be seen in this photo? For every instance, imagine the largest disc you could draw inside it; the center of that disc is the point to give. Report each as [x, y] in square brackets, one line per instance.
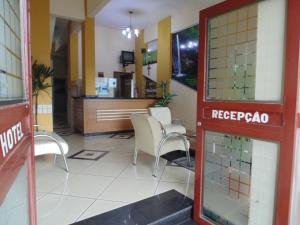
[107, 115]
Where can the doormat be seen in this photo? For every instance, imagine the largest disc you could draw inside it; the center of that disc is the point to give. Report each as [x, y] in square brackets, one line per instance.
[122, 136]
[178, 158]
[88, 155]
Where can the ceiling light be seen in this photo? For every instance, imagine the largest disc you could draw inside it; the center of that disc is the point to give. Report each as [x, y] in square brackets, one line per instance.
[129, 31]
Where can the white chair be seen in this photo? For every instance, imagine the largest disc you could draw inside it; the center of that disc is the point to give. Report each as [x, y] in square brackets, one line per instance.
[50, 143]
[163, 115]
[150, 138]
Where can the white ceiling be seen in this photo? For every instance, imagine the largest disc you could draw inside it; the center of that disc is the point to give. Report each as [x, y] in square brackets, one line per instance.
[146, 12]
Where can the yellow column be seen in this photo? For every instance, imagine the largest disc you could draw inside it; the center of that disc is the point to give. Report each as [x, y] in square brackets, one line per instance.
[73, 56]
[41, 51]
[139, 44]
[164, 52]
[88, 57]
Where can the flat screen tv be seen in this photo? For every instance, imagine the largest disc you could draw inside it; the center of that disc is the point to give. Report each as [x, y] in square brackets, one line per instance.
[127, 57]
[185, 56]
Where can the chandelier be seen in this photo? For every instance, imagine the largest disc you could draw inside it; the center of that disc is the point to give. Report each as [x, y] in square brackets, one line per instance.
[129, 31]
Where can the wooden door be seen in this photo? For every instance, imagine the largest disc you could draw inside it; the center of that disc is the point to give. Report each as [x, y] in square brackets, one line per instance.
[247, 112]
[17, 191]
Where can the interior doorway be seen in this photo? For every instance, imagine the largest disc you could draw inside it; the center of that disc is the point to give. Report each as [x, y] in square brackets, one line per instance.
[59, 58]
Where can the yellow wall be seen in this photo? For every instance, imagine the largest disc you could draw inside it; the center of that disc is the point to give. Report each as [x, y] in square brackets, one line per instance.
[164, 52]
[88, 57]
[40, 48]
[139, 44]
[73, 56]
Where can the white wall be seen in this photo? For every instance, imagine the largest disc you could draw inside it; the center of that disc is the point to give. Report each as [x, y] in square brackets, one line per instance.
[184, 105]
[150, 33]
[109, 44]
[68, 9]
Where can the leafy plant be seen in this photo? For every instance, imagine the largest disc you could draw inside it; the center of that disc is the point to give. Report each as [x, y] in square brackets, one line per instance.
[40, 74]
[165, 101]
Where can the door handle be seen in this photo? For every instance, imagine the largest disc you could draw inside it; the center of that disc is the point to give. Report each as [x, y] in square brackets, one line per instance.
[199, 124]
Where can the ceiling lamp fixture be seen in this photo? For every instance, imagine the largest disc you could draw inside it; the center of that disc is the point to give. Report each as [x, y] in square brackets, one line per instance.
[129, 31]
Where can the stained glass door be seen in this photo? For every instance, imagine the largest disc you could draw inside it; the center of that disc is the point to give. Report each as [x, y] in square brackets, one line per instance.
[246, 112]
[17, 192]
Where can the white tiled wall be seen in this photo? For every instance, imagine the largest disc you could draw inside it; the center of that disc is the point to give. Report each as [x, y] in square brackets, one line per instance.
[43, 108]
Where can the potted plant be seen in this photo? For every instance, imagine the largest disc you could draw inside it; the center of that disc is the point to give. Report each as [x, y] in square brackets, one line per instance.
[40, 74]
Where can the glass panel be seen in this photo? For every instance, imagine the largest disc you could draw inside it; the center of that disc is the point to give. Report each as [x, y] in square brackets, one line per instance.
[239, 180]
[11, 81]
[246, 53]
[15, 208]
[295, 206]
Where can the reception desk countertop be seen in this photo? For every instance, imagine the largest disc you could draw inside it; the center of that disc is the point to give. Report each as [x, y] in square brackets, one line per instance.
[93, 115]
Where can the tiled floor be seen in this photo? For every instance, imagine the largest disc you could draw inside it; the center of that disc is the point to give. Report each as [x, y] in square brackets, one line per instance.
[94, 187]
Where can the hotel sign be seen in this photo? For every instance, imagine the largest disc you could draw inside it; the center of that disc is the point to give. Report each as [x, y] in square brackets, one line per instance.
[10, 138]
[248, 117]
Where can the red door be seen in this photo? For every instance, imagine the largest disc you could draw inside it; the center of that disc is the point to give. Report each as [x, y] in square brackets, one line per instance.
[17, 193]
[247, 112]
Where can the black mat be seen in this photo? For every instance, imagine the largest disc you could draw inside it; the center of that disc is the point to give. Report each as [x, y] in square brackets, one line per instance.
[178, 158]
[167, 208]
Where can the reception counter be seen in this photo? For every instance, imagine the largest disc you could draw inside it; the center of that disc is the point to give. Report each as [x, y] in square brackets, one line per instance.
[99, 115]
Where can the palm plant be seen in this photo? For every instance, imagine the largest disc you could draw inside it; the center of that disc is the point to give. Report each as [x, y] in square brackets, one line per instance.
[40, 73]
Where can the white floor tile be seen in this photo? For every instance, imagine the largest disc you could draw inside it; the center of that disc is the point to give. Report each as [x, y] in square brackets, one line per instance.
[112, 180]
[129, 190]
[75, 165]
[106, 169]
[124, 157]
[178, 175]
[61, 210]
[100, 206]
[143, 168]
[84, 186]
[46, 181]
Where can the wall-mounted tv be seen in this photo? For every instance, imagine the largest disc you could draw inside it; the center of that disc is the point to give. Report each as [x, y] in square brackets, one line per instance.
[185, 56]
[127, 57]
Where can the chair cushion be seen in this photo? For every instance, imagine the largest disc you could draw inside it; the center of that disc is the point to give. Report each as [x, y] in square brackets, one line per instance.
[174, 128]
[44, 145]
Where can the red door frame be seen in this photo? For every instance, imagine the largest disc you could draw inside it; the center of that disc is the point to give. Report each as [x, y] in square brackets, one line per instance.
[283, 116]
[20, 111]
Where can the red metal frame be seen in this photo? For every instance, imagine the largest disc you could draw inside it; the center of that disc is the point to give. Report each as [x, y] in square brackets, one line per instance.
[282, 127]
[23, 151]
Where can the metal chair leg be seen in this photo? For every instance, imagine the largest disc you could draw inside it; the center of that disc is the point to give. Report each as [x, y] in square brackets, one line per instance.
[160, 146]
[54, 161]
[65, 161]
[187, 151]
[135, 156]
